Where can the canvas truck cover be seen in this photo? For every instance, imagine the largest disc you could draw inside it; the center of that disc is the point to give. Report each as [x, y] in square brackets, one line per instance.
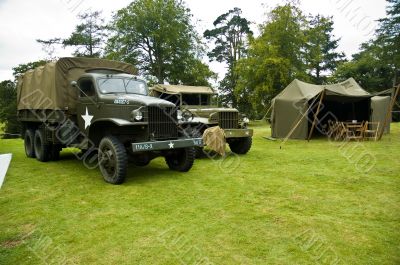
[181, 89]
[49, 86]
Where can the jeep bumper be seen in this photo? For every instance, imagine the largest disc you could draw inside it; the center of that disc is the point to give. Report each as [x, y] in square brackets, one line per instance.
[237, 133]
[166, 145]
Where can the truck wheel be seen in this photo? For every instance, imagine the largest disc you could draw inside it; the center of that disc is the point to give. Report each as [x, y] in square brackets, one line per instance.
[113, 160]
[240, 145]
[42, 149]
[182, 160]
[28, 142]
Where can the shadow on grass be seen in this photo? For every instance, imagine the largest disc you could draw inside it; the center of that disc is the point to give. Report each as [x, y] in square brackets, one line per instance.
[156, 170]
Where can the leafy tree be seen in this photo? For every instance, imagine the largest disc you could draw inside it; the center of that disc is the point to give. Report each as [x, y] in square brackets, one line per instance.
[377, 65]
[8, 107]
[274, 59]
[320, 50]
[230, 35]
[158, 37]
[389, 36]
[368, 68]
[88, 37]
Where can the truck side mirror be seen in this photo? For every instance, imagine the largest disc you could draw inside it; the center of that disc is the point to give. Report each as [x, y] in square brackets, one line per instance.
[74, 84]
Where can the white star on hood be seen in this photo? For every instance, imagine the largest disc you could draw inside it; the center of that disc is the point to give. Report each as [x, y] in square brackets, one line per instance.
[87, 118]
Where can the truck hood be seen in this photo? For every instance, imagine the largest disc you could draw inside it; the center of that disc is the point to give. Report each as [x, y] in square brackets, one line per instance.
[137, 100]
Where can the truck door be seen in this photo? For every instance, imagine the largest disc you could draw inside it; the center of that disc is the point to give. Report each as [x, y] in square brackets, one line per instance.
[86, 108]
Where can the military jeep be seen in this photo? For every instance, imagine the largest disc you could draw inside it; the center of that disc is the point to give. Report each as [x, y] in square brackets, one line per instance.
[199, 111]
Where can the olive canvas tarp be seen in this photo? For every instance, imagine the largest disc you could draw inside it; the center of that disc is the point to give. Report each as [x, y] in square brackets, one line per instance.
[293, 109]
[49, 86]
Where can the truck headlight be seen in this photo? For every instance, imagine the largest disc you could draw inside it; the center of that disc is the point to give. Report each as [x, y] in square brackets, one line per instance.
[179, 115]
[184, 115]
[137, 115]
[246, 120]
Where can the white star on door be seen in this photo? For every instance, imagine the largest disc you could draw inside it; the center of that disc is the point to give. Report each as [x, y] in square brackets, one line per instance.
[87, 118]
[171, 145]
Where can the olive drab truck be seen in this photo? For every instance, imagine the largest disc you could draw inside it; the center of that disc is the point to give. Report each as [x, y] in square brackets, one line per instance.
[104, 109]
[197, 110]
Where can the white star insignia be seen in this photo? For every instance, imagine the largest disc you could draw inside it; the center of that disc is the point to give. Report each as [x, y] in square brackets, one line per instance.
[247, 133]
[171, 145]
[87, 118]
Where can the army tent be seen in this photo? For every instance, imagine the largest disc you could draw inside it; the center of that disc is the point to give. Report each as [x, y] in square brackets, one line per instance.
[294, 108]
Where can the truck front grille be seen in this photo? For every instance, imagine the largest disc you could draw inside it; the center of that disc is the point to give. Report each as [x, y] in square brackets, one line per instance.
[163, 123]
[228, 120]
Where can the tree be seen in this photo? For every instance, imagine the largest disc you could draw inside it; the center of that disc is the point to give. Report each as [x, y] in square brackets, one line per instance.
[157, 36]
[88, 37]
[368, 68]
[320, 50]
[274, 59]
[389, 37]
[8, 107]
[376, 67]
[230, 35]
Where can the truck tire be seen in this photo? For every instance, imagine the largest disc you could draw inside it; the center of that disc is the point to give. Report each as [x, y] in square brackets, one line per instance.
[240, 145]
[182, 160]
[29, 143]
[42, 148]
[113, 160]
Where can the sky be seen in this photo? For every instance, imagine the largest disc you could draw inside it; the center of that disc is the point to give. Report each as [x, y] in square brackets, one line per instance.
[22, 22]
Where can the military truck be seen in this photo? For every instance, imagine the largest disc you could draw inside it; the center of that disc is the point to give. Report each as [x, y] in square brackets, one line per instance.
[102, 108]
[199, 111]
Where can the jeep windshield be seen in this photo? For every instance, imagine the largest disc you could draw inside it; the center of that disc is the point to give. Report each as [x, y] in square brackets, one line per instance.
[196, 99]
[122, 86]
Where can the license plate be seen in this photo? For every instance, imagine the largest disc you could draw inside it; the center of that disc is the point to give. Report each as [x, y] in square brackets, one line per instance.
[143, 146]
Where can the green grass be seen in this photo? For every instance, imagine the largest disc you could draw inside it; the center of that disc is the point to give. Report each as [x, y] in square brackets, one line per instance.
[284, 204]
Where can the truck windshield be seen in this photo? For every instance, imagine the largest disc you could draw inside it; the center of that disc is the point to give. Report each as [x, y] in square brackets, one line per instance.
[122, 86]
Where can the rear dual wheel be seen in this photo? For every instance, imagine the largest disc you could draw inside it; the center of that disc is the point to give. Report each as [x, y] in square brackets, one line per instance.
[37, 146]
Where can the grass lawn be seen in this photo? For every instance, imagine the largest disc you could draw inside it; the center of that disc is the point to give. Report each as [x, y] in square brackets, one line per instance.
[294, 203]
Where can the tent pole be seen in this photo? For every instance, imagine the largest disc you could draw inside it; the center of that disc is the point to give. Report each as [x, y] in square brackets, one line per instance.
[299, 121]
[316, 115]
[393, 100]
[270, 107]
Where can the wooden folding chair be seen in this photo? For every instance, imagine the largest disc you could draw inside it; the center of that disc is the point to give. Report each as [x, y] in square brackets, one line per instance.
[371, 130]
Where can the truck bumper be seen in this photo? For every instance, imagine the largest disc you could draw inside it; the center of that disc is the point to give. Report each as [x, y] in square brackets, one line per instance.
[166, 145]
[237, 133]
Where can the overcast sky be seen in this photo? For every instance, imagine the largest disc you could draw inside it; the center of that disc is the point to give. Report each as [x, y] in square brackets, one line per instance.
[22, 22]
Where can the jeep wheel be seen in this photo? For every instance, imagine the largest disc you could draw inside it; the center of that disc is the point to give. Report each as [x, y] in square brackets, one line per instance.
[28, 142]
[240, 145]
[42, 149]
[112, 160]
[181, 160]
